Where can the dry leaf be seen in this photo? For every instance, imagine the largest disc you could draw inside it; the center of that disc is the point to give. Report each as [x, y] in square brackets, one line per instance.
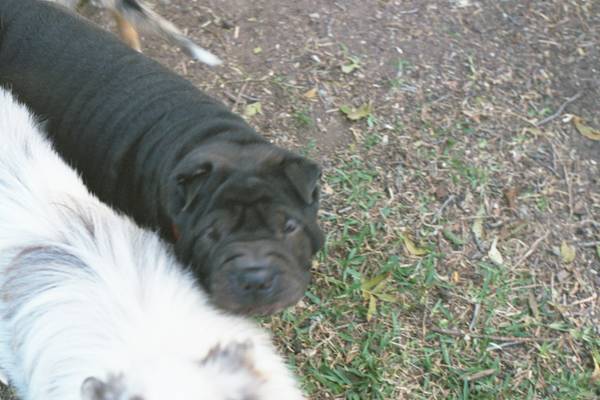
[372, 283]
[477, 228]
[411, 248]
[353, 65]
[474, 115]
[441, 192]
[379, 288]
[325, 188]
[455, 278]
[463, 3]
[252, 109]
[311, 94]
[563, 275]
[373, 290]
[453, 237]
[366, 295]
[533, 131]
[389, 298]
[567, 253]
[494, 254]
[510, 195]
[354, 114]
[425, 114]
[372, 307]
[584, 129]
[533, 305]
[348, 68]
[595, 378]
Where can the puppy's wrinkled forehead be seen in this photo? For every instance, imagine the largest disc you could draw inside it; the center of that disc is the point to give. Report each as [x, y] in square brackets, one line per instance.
[255, 156]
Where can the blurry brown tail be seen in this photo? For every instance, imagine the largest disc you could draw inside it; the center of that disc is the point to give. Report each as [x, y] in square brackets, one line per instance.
[132, 14]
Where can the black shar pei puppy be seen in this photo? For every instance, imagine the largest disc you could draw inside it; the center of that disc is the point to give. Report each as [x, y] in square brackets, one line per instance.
[241, 211]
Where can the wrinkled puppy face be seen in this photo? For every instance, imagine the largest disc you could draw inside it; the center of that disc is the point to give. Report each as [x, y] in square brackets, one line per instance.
[230, 372]
[246, 220]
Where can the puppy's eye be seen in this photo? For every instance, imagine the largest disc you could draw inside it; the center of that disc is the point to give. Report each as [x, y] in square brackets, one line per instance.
[202, 171]
[290, 226]
[212, 234]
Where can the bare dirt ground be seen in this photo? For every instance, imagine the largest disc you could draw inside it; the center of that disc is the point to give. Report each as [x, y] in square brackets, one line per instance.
[461, 201]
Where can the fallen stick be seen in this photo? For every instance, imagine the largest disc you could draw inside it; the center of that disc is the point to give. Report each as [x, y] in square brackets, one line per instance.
[531, 249]
[456, 332]
[560, 110]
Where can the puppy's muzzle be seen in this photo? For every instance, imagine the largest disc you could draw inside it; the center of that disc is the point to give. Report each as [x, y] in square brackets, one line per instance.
[251, 275]
[256, 275]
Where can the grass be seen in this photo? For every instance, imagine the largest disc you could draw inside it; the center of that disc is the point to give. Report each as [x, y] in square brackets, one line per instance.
[303, 118]
[448, 326]
[409, 301]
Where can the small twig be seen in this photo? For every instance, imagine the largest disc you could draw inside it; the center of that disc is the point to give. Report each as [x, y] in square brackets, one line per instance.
[560, 110]
[589, 244]
[524, 287]
[587, 221]
[479, 375]
[264, 78]
[413, 11]
[480, 245]
[554, 157]
[441, 98]
[475, 316]
[495, 346]
[533, 305]
[239, 96]
[184, 69]
[439, 212]
[248, 97]
[516, 339]
[569, 341]
[341, 7]
[569, 189]
[531, 249]
[423, 326]
[583, 301]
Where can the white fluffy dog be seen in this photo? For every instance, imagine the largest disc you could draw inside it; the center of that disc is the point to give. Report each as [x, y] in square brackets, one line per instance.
[94, 308]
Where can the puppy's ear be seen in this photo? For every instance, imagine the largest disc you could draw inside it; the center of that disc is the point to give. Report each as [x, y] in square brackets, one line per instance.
[94, 389]
[304, 176]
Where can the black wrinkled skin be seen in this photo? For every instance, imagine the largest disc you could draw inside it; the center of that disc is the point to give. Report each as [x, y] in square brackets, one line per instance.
[134, 129]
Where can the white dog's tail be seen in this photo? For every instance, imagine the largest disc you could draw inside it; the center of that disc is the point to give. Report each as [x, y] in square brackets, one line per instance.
[140, 15]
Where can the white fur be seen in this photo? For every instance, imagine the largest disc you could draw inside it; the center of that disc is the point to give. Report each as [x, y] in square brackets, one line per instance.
[129, 312]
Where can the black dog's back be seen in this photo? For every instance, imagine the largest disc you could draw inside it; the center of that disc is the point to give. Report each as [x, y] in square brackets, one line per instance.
[97, 93]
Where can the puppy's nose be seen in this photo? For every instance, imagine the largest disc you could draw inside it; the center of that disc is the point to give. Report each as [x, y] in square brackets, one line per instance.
[257, 280]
